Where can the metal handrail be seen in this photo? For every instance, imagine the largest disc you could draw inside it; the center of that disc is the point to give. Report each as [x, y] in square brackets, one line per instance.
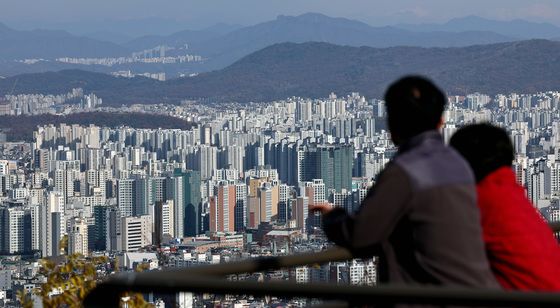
[107, 294]
[209, 278]
[253, 265]
[177, 279]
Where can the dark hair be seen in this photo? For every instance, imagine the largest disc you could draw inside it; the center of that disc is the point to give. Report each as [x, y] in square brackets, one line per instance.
[414, 105]
[485, 147]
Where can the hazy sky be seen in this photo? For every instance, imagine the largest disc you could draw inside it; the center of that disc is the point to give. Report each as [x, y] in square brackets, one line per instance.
[201, 13]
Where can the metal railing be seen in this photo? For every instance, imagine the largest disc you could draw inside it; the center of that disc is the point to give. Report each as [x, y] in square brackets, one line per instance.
[108, 294]
[210, 279]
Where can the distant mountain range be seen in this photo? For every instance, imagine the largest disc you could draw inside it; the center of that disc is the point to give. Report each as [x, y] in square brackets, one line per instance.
[517, 28]
[222, 45]
[177, 39]
[131, 28]
[311, 27]
[316, 69]
[48, 44]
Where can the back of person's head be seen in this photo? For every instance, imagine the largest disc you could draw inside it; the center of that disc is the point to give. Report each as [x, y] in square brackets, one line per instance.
[414, 105]
[485, 147]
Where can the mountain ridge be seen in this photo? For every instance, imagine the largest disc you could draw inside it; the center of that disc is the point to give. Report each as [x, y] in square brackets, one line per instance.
[317, 69]
[222, 45]
[224, 50]
[517, 28]
[20, 44]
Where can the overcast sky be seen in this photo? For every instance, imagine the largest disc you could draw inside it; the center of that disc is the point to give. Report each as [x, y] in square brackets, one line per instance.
[201, 13]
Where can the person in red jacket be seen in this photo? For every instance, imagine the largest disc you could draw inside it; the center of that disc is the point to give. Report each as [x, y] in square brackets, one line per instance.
[521, 248]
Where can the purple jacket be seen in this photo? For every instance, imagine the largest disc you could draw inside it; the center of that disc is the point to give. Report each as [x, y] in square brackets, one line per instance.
[421, 219]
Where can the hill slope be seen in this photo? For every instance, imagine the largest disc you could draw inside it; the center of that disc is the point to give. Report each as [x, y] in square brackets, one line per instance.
[22, 127]
[313, 27]
[65, 80]
[222, 45]
[316, 69]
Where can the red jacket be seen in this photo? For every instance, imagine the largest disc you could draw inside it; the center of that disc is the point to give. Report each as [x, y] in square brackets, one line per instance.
[523, 253]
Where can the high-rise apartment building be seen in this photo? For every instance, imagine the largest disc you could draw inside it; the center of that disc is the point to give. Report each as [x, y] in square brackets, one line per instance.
[136, 232]
[332, 164]
[163, 221]
[97, 233]
[300, 212]
[222, 210]
[53, 222]
[193, 203]
[78, 237]
[240, 212]
[15, 229]
[126, 192]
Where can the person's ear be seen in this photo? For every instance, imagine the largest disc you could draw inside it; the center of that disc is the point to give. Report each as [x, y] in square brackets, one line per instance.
[440, 123]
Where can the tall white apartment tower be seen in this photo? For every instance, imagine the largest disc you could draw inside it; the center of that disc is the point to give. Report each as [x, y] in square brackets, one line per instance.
[53, 224]
[125, 197]
[78, 237]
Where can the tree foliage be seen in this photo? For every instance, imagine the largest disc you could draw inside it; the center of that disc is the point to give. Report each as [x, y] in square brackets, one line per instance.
[69, 281]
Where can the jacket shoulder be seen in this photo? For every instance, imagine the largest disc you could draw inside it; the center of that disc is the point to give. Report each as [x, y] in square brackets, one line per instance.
[435, 165]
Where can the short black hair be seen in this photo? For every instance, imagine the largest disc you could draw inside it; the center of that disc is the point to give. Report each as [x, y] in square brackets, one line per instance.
[485, 147]
[414, 105]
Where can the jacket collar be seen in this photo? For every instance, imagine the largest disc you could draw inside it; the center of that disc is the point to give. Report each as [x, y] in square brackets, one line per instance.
[500, 175]
[419, 139]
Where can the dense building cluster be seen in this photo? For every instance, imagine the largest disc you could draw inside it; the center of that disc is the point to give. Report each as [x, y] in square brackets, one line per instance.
[160, 54]
[238, 185]
[33, 104]
[130, 74]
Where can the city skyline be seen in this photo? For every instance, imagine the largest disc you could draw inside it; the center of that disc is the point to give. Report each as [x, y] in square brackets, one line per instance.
[130, 143]
[237, 185]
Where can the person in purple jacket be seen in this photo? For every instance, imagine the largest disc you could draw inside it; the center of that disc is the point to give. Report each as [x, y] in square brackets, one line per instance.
[421, 217]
